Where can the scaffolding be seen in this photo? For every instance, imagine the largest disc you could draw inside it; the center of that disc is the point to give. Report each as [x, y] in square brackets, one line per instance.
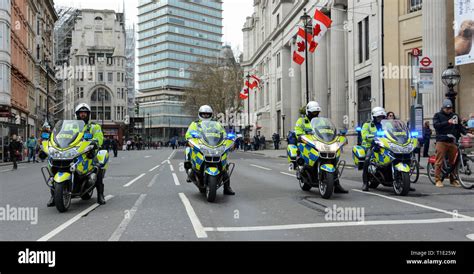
[130, 40]
[63, 30]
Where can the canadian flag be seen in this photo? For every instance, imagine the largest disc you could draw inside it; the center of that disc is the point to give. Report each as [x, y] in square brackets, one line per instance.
[244, 93]
[253, 83]
[298, 54]
[321, 24]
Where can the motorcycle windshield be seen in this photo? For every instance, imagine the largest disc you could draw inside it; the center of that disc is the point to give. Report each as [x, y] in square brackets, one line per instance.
[397, 130]
[212, 133]
[65, 132]
[324, 129]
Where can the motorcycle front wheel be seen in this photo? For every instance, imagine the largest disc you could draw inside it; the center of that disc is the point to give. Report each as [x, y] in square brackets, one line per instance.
[211, 188]
[62, 196]
[401, 184]
[326, 186]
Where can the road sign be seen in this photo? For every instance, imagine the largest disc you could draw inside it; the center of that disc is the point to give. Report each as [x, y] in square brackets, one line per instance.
[416, 52]
[426, 62]
[127, 120]
[426, 80]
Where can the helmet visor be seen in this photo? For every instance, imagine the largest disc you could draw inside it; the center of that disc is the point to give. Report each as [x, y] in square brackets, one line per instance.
[205, 115]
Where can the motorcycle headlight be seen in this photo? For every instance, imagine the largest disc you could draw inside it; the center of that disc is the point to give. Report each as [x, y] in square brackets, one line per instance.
[401, 149]
[68, 154]
[207, 151]
[321, 147]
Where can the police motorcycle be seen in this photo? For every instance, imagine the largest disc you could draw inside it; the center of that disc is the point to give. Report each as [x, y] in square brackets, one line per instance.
[208, 150]
[316, 157]
[73, 166]
[389, 157]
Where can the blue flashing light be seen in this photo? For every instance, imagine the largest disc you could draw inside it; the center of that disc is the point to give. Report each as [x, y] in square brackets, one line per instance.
[414, 134]
[358, 129]
[380, 134]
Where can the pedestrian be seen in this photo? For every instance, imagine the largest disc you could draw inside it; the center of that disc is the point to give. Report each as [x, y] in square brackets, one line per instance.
[31, 144]
[256, 142]
[276, 140]
[115, 145]
[129, 145]
[262, 142]
[446, 122]
[391, 115]
[427, 132]
[15, 150]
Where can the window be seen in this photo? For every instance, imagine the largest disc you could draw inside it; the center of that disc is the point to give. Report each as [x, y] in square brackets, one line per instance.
[279, 90]
[278, 19]
[109, 59]
[101, 77]
[81, 94]
[414, 5]
[278, 60]
[118, 76]
[359, 28]
[110, 77]
[367, 51]
[364, 99]
[118, 92]
[91, 59]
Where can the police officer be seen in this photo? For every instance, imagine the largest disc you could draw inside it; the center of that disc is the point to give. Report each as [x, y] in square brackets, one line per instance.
[205, 114]
[303, 126]
[83, 112]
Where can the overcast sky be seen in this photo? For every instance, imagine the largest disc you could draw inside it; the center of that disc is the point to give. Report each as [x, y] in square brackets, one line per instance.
[235, 12]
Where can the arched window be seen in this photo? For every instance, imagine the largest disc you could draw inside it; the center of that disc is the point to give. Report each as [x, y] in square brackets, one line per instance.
[101, 100]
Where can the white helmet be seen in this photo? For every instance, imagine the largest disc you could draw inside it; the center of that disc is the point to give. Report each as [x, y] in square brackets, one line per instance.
[378, 111]
[205, 113]
[312, 107]
[83, 107]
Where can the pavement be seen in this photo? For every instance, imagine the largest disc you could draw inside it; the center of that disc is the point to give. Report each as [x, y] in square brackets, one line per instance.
[149, 200]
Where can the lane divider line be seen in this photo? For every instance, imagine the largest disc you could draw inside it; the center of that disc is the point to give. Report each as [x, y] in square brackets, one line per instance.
[74, 219]
[171, 168]
[175, 178]
[453, 214]
[153, 181]
[126, 220]
[288, 174]
[134, 180]
[261, 167]
[154, 168]
[198, 228]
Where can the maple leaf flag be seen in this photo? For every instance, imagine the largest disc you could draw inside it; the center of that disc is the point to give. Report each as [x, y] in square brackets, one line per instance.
[299, 53]
[244, 93]
[321, 23]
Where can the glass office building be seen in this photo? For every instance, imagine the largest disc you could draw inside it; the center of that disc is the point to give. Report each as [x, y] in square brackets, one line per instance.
[172, 36]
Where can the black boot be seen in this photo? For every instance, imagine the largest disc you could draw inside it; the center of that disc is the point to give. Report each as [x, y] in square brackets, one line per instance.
[100, 192]
[51, 200]
[228, 190]
[412, 189]
[339, 189]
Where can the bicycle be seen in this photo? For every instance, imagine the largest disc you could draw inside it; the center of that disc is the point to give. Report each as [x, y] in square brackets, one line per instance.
[465, 173]
[414, 169]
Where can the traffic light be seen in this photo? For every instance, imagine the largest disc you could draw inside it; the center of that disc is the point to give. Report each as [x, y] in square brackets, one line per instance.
[137, 108]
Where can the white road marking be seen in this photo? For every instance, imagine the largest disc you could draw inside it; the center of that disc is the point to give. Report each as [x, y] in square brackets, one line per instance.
[154, 168]
[71, 221]
[175, 178]
[153, 181]
[455, 215]
[470, 236]
[172, 154]
[292, 175]
[134, 180]
[261, 167]
[126, 220]
[147, 156]
[335, 224]
[198, 228]
[171, 167]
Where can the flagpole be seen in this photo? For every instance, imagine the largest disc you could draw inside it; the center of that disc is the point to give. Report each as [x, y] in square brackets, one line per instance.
[248, 102]
[305, 18]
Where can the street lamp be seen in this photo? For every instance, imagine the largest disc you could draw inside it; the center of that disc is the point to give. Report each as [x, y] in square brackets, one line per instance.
[306, 20]
[149, 129]
[451, 78]
[46, 63]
